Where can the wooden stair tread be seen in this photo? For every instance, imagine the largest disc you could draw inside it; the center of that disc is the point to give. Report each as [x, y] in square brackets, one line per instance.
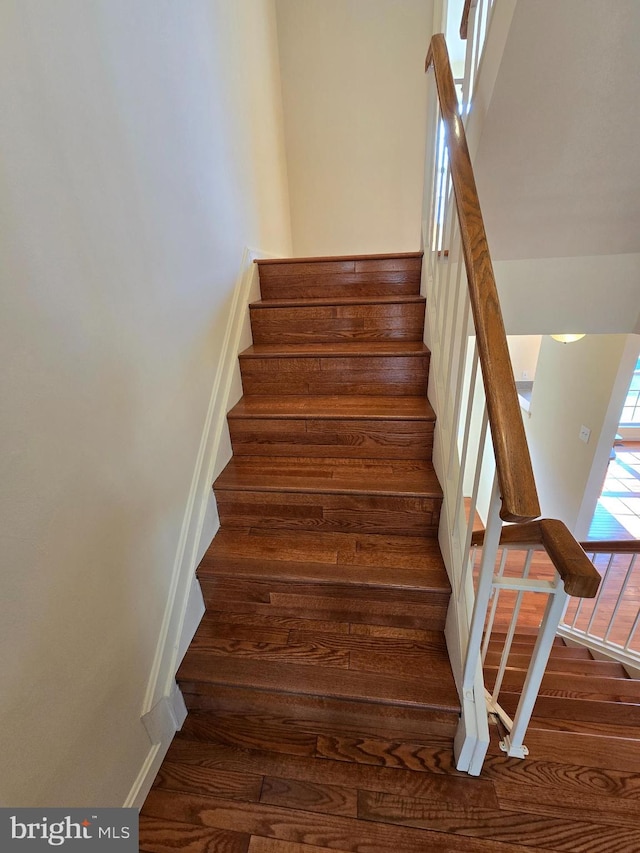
[317, 301]
[433, 580]
[338, 407]
[360, 549]
[434, 689]
[324, 259]
[359, 654]
[357, 349]
[407, 478]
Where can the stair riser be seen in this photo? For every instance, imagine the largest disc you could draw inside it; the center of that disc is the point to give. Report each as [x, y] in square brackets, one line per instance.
[390, 439]
[354, 604]
[326, 323]
[580, 710]
[363, 375]
[577, 667]
[419, 617]
[557, 651]
[557, 684]
[320, 713]
[339, 279]
[329, 512]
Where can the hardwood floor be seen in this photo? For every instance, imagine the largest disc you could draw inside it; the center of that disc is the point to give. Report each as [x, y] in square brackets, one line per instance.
[617, 514]
[322, 707]
[246, 784]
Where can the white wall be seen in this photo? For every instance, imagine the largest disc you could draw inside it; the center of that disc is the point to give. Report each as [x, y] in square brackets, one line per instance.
[524, 351]
[596, 294]
[141, 149]
[354, 93]
[573, 387]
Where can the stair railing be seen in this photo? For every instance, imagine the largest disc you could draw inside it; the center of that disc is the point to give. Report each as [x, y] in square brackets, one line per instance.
[567, 572]
[472, 389]
[610, 625]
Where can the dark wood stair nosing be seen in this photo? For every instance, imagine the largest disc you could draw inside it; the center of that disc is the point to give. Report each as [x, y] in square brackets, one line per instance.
[348, 349]
[337, 301]
[331, 413]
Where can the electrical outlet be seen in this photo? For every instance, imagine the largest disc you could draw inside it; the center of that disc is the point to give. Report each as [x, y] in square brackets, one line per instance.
[584, 434]
[525, 375]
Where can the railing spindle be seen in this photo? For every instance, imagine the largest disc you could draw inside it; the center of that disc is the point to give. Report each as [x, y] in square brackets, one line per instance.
[598, 597]
[623, 589]
[494, 606]
[512, 630]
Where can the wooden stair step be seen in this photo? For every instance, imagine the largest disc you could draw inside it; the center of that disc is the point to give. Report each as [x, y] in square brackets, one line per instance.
[398, 368]
[324, 650]
[231, 588]
[432, 690]
[579, 707]
[579, 686]
[327, 716]
[432, 642]
[294, 278]
[337, 407]
[346, 513]
[324, 608]
[393, 477]
[344, 495]
[321, 320]
[281, 619]
[293, 572]
[330, 426]
[345, 549]
[600, 729]
[577, 666]
[528, 639]
[609, 747]
[414, 299]
[557, 651]
[348, 349]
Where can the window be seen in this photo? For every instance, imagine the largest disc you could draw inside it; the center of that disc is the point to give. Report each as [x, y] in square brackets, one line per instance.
[631, 410]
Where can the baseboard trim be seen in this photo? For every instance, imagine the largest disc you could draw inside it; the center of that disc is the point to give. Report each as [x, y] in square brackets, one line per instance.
[161, 724]
[163, 706]
[172, 638]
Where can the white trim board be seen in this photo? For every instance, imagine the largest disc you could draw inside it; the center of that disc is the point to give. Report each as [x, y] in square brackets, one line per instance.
[161, 724]
[185, 606]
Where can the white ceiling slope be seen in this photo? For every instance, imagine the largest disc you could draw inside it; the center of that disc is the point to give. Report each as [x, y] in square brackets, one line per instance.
[558, 164]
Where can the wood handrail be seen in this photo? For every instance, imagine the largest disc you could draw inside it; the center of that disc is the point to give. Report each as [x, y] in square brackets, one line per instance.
[513, 463]
[612, 546]
[578, 573]
[464, 23]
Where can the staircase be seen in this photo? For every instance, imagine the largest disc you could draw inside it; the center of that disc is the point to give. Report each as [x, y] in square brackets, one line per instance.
[325, 590]
[587, 710]
[322, 704]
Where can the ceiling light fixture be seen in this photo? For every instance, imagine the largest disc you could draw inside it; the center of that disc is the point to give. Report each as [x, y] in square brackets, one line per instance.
[567, 339]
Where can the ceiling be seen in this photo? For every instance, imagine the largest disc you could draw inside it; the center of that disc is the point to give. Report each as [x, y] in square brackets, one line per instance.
[558, 165]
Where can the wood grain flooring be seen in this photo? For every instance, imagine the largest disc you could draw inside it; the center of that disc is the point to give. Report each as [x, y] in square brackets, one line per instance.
[238, 786]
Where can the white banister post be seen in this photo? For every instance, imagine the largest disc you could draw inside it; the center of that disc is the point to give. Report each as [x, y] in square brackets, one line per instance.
[513, 743]
[485, 584]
